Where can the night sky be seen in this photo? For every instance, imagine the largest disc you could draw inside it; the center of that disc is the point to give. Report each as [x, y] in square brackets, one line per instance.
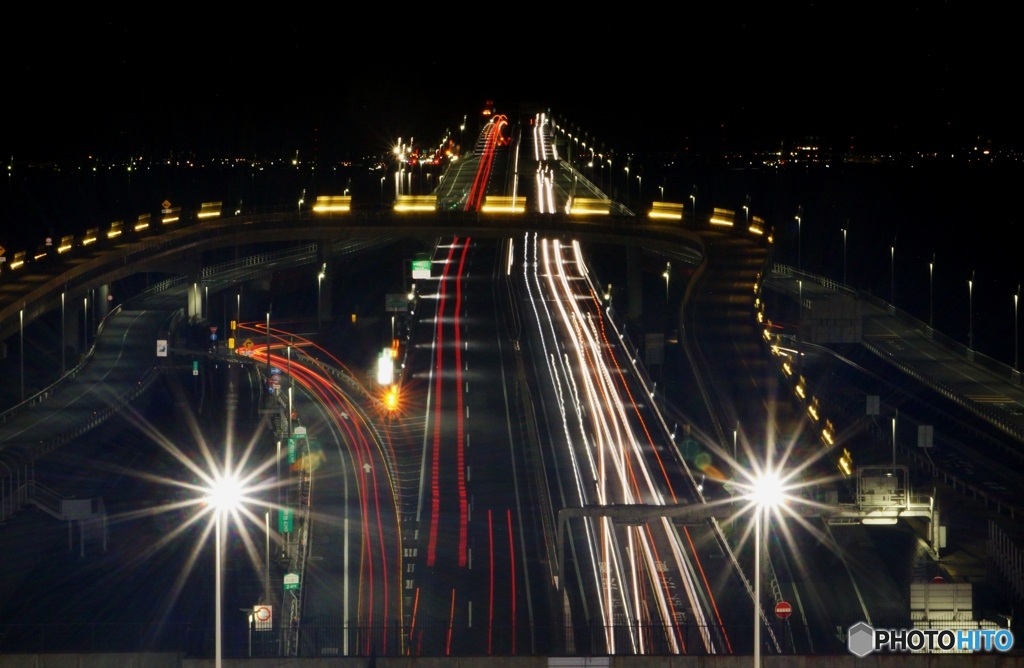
[890, 76]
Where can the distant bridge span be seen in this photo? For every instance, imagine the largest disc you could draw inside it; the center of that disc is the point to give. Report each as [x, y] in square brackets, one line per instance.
[36, 288]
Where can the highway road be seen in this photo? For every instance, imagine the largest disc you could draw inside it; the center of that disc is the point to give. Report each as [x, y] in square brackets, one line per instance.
[474, 571]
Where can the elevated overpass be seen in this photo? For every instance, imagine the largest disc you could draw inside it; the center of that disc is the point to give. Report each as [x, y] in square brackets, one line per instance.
[28, 291]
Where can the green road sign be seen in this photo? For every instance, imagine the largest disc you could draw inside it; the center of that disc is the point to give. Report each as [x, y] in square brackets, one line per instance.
[285, 520]
[291, 581]
[292, 450]
[421, 269]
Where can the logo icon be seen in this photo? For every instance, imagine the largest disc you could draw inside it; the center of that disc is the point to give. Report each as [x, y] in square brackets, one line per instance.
[860, 639]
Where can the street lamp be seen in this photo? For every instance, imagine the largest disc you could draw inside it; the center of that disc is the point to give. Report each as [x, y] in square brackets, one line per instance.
[1016, 298]
[766, 493]
[931, 293]
[799, 237]
[892, 274]
[319, 282]
[225, 496]
[667, 273]
[970, 312]
[844, 257]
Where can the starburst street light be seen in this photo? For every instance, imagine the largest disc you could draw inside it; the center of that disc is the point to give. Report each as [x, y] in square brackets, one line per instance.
[766, 492]
[226, 494]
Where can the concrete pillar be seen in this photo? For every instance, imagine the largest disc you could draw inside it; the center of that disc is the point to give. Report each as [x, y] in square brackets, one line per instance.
[634, 283]
[102, 302]
[73, 330]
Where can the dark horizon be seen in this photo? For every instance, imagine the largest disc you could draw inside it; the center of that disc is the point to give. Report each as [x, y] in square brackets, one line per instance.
[907, 78]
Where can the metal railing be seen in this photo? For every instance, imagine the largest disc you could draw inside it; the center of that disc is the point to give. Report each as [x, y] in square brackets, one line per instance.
[44, 393]
[956, 348]
[1007, 557]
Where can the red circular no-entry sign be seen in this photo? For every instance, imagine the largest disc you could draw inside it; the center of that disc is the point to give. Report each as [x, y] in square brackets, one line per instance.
[783, 610]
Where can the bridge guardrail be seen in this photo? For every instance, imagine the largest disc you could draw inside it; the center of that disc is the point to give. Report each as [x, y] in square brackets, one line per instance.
[912, 454]
[60, 382]
[971, 356]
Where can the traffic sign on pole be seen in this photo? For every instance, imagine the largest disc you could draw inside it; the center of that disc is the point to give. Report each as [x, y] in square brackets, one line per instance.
[783, 610]
[263, 616]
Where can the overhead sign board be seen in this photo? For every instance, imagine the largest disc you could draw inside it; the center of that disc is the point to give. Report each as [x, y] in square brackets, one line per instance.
[420, 269]
[925, 435]
[291, 581]
[396, 303]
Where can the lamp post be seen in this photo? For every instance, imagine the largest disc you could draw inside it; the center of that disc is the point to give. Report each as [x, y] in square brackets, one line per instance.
[799, 237]
[667, 273]
[319, 307]
[63, 331]
[931, 293]
[766, 493]
[1016, 298]
[225, 495]
[970, 312]
[21, 319]
[746, 209]
[844, 257]
[892, 274]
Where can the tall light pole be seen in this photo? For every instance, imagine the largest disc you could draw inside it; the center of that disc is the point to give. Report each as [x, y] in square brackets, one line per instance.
[970, 312]
[892, 274]
[319, 282]
[799, 237]
[667, 273]
[844, 257]
[63, 330]
[931, 293]
[225, 495]
[746, 209]
[21, 318]
[767, 492]
[1016, 298]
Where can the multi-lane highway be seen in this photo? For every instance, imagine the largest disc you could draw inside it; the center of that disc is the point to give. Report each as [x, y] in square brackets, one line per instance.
[522, 395]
